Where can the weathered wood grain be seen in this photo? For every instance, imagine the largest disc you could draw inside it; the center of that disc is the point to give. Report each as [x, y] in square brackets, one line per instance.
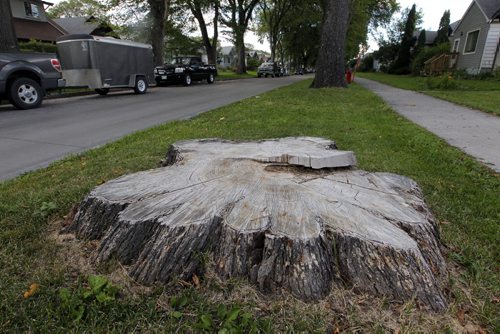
[286, 214]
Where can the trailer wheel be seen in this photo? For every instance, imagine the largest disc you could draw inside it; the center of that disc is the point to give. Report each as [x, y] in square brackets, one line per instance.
[25, 93]
[141, 85]
[187, 79]
[211, 78]
[102, 91]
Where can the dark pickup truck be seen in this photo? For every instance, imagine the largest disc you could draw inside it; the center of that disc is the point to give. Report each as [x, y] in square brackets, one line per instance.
[185, 70]
[25, 77]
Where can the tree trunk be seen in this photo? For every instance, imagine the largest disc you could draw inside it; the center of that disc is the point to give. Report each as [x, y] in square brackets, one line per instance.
[241, 65]
[278, 212]
[159, 15]
[330, 68]
[8, 40]
[210, 45]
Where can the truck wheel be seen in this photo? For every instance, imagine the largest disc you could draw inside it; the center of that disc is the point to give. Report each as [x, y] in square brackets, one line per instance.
[102, 91]
[211, 78]
[187, 79]
[25, 93]
[141, 85]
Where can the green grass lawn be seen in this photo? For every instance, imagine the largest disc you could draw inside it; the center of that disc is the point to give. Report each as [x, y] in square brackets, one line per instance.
[478, 94]
[230, 75]
[462, 193]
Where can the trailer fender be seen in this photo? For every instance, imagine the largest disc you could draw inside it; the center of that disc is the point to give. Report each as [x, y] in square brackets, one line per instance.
[132, 79]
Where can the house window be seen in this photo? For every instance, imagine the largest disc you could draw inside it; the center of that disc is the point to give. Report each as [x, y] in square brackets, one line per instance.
[471, 41]
[456, 45]
[31, 9]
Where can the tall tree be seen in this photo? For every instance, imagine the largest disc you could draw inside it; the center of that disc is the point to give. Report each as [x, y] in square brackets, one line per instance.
[79, 8]
[236, 14]
[8, 40]
[444, 28]
[300, 35]
[159, 13]
[330, 68]
[198, 8]
[273, 13]
[403, 59]
[422, 39]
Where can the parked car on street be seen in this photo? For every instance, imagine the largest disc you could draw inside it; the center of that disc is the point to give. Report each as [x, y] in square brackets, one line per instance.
[271, 69]
[185, 70]
[25, 77]
[102, 63]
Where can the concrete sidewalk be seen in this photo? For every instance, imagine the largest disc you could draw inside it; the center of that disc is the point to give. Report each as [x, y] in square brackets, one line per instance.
[474, 132]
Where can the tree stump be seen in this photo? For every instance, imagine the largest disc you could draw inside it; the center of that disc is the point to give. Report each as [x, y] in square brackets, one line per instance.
[286, 214]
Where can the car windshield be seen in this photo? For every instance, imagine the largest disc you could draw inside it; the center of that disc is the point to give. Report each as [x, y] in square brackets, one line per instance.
[181, 60]
[267, 65]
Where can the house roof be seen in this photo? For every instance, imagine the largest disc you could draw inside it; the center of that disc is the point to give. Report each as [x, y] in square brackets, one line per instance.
[454, 25]
[78, 25]
[430, 36]
[226, 50]
[490, 8]
[31, 29]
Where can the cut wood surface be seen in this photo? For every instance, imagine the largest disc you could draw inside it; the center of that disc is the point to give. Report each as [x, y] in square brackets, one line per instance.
[286, 214]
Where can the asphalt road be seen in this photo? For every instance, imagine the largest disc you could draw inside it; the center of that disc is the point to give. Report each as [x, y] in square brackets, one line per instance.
[31, 139]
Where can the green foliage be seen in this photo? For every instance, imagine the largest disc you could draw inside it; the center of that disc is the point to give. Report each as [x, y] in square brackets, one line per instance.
[79, 8]
[425, 54]
[231, 320]
[37, 46]
[391, 38]
[253, 64]
[443, 82]
[46, 209]
[98, 292]
[367, 15]
[402, 62]
[444, 29]
[367, 64]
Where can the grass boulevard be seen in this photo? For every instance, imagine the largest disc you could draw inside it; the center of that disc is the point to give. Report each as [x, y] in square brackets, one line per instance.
[476, 94]
[47, 284]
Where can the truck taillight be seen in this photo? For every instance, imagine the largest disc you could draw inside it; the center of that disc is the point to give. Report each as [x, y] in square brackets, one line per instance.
[56, 64]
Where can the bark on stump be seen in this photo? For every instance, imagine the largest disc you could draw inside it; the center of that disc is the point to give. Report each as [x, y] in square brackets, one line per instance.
[279, 212]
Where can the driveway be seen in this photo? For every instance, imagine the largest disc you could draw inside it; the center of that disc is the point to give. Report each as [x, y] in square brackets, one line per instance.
[31, 139]
[473, 131]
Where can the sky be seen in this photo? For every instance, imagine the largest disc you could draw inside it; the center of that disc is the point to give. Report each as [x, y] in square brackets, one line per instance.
[432, 10]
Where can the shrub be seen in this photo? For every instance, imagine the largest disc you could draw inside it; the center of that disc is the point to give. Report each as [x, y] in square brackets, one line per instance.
[253, 64]
[425, 54]
[444, 82]
[37, 46]
[367, 64]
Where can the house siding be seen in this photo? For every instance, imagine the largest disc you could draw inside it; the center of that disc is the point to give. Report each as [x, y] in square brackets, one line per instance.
[491, 46]
[473, 20]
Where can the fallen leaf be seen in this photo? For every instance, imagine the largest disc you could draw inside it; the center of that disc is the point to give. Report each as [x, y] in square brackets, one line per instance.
[196, 281]
[31, 291]
[461, 316]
